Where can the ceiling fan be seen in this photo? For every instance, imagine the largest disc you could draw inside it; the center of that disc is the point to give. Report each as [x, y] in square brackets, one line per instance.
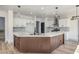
[76, 16]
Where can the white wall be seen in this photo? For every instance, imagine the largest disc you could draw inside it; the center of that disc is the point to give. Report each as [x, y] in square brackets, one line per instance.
[72, 34]
[73, 30]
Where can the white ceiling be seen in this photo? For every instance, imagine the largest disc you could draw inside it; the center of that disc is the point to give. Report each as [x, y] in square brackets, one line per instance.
[42, 10]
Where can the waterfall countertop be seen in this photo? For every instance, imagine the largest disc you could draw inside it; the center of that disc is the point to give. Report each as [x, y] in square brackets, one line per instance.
[49, 34]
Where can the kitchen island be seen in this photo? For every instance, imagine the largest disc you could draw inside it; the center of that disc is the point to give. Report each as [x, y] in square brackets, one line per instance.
[44, 43]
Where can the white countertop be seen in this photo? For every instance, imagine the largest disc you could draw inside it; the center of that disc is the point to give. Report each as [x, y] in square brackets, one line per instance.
[50, 34]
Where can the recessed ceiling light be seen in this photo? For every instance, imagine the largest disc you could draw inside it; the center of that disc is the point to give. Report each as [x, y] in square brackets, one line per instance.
[31, 13]
[42, 8]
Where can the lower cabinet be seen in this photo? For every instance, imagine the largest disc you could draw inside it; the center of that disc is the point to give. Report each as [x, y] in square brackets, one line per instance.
[61, 39]
[56, 41]
[17, 42]
[38, 44]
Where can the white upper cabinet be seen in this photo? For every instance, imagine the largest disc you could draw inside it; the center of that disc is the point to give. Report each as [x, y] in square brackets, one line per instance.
[63, 23]
[49, 22]
[19, 22]
[22, 22]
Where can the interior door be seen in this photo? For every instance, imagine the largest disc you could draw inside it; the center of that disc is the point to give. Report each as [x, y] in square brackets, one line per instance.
[2, 28]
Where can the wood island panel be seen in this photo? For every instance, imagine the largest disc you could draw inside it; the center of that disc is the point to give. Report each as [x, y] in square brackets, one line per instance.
[38, 44]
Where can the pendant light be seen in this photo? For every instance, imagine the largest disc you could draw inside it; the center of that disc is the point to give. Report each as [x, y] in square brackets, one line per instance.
[18, 12]
[56, 23]
[76, 16]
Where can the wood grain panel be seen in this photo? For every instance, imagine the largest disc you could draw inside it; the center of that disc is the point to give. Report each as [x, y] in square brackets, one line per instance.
[35, 44]
[38, 44]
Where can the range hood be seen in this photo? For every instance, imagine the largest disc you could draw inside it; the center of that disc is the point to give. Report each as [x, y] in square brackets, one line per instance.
[56, 22]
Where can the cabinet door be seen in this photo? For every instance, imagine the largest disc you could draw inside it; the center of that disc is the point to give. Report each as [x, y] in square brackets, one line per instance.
[17, 42]
[57, 41]
[63, 23]
[53, 43]
[19, 22]
[61, 39]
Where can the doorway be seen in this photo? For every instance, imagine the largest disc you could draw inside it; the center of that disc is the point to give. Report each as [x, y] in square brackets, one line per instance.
[2, 28]
[42, 27]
